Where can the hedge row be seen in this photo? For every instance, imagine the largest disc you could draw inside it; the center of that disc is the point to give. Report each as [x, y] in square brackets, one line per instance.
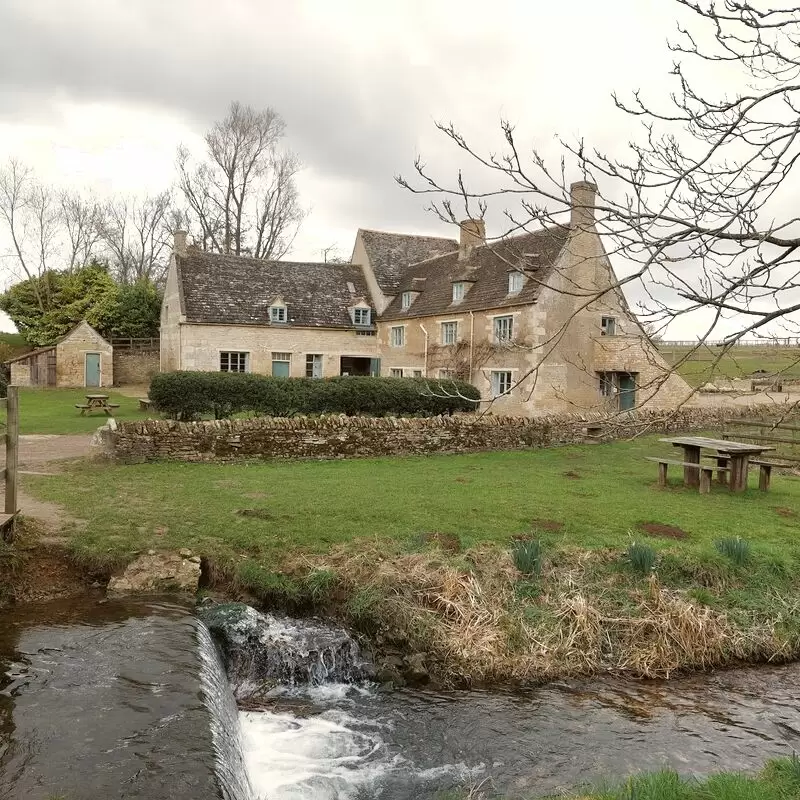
[189, 395]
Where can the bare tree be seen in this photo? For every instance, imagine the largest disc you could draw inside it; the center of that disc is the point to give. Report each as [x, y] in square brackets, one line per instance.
[83, 220]
[136, 233]
[242, 197]
[700, 210]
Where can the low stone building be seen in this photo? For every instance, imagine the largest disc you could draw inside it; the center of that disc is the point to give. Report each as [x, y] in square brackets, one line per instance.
[81, 358]
[535, 321]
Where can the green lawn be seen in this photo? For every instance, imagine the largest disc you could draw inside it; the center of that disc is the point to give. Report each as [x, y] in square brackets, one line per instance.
[53, 410]
[705, 364]
[598, 493]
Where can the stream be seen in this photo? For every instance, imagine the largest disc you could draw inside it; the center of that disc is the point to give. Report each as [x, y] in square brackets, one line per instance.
[138, 699]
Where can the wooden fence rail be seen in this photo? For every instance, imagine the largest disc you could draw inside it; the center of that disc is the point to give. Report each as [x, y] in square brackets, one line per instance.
[8, 519]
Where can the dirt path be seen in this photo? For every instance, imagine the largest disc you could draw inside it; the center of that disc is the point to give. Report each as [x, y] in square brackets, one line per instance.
[43, 455]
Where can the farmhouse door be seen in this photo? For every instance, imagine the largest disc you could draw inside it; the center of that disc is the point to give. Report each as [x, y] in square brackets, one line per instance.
[93, 369]
[627, 391]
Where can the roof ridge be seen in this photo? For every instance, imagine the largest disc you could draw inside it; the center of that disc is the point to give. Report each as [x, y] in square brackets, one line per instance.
[410, 235]
[205, 253]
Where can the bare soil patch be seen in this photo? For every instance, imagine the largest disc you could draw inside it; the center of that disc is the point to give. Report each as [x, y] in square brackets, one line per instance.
[788, 513]
[550, 525]
[255, 513]
[571, 474]
[661, 530]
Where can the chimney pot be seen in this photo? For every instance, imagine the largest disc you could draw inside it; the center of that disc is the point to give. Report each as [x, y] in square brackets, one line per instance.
[179, 242]
[473, 234]
[583, 196]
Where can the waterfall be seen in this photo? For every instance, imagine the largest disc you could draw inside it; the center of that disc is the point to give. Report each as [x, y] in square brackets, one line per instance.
[225, 727]
[262, 651]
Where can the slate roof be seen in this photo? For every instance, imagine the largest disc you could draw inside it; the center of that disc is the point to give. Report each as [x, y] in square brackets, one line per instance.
[235, 290]
[487, 267]
[390, 253]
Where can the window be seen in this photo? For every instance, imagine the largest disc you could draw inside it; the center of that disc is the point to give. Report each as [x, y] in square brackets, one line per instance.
[514, 282]
[501, 383]
[619, 388]
[417, 373]
[277, 313]
[234, 362]
[361, 316]
[405, 300]
[395, 373]
[397, 336]
[503, 329]
[458, 292]
[449, 332]
[608, 326]
[366, 333]
[281, 365]
[313, 365]
[447, 373]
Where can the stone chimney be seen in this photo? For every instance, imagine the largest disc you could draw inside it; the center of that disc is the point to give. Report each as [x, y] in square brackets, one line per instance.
[179, 243]
[583, 196]
[473, 234]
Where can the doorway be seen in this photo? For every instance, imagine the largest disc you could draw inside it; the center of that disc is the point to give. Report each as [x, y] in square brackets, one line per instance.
[619, 388]
[92, 369]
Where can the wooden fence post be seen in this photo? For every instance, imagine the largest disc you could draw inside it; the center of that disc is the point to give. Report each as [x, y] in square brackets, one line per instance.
[12, 443]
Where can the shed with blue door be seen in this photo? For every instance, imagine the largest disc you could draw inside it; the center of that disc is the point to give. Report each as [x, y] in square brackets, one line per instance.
[80, 358]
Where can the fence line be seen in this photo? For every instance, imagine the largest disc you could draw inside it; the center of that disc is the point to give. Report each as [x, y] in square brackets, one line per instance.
[136, 344]
[784, 341]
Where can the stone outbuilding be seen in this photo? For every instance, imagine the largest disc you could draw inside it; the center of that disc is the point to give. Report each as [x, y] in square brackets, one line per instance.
[81, 358]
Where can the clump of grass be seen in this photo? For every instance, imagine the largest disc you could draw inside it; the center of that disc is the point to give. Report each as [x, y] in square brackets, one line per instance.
[735, 548]
[527, 590]
[702, 596]
[363, 606]
[320, 583]
[641, 557]
[527, 556]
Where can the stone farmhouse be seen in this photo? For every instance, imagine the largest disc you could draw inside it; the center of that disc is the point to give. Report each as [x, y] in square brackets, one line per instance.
[534, 320]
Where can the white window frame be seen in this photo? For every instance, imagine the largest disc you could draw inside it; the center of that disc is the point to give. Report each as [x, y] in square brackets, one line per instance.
[498, 323]
[459, 291]
[362, 312]
[397, 339]
[243, 353]
[417, 373]
[405, 300]
[278, 314]
[516, 280]
[447, 374]
[395, 372]
[316, 358]
[498, 383]
[455, 331]
[607, 322]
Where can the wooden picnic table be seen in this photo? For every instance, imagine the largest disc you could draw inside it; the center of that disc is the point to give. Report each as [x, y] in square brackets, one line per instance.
[737, 453]
[97, 402]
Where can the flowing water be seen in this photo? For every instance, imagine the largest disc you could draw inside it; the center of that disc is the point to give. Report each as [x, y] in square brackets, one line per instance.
[130, 700]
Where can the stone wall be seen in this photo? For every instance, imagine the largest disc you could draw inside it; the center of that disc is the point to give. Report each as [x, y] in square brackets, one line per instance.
[334, 437]
[133, 366]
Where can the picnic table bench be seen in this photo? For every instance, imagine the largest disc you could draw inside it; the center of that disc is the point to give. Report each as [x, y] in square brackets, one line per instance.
[97, 402]
[731, 457]
[144, 403]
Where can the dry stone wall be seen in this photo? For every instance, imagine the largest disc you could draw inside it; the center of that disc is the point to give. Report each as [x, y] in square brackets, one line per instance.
[332, 437]
[135, 366]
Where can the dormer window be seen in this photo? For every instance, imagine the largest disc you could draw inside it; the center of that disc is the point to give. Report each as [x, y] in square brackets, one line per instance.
[515, 281]
[361, 316]
[277, 313]
[405, 300]
[458, 291]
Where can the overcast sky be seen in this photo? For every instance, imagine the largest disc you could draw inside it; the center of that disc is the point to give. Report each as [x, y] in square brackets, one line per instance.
[99, 93]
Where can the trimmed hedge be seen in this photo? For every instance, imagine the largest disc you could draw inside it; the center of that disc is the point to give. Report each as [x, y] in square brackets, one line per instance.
[189, 395]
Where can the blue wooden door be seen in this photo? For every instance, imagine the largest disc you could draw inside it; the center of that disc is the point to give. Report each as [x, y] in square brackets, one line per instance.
[93, 369]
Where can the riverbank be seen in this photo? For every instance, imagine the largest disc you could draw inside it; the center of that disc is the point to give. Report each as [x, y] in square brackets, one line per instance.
[779, 780]
[482, 569]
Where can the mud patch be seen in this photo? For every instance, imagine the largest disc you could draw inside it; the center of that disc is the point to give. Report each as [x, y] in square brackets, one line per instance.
[448, 542]
[462, 480]
[571, 474]
[661, 530]
[787, 513]
[549, 525]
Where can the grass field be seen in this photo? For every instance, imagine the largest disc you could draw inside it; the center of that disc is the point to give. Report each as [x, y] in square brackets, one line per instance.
[705, 364]
[53, 410]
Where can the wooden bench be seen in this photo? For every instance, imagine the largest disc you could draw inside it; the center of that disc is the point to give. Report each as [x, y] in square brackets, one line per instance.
[82, 406]
[144, 403]
[764, 470]
[705, 471]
